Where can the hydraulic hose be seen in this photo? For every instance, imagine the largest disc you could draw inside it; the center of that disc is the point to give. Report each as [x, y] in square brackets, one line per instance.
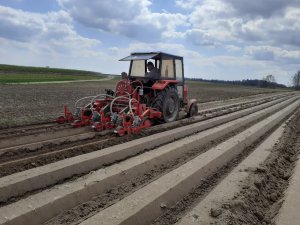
[82, 99]
[100, 95]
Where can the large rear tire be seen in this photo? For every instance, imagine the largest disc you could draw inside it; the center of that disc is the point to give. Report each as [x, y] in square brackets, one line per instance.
[167, 102]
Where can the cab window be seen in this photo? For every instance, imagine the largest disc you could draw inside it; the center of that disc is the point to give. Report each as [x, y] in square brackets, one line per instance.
[138, 68]
[178, 66]
[167, 68]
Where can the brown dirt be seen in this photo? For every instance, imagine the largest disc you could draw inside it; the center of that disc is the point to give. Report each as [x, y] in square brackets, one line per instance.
[33, 103]
[98, 203]
[176, 212]
[47, 154]
[44, 156]
[36, 103]
[27, 104]
[32, 129]
[43, 159]
[262, 196]
[206, 92]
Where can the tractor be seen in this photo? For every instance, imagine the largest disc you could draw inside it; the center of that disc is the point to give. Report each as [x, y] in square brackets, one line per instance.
[152, 92]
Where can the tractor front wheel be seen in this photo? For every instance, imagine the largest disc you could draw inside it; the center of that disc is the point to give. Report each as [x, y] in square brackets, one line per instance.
[167, 102]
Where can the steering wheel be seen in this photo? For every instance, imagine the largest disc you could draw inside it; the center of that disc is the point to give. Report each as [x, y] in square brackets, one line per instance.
[123, 87]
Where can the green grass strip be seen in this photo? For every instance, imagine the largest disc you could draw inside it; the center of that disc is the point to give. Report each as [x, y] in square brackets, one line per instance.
[22, 78]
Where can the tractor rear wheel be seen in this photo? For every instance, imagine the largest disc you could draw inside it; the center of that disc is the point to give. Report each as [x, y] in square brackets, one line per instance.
[167, 102]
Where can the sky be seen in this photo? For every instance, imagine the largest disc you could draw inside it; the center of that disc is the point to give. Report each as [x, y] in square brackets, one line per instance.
[227, 40]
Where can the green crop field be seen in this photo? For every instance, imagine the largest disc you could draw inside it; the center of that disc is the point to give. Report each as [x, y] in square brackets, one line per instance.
[31, 69]
[22, 74]
[20, 78]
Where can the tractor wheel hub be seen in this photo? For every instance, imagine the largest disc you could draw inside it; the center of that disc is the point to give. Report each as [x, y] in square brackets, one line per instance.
[171, 106]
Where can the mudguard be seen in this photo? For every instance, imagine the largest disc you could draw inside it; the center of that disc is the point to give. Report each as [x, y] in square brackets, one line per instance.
[190, 102]
[162, 84]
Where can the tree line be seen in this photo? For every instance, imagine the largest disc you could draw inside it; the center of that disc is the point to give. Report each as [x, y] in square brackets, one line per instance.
[264, 83]
[267, 82]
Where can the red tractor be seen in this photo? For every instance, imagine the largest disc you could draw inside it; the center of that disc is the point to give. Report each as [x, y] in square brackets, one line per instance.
[142, 98]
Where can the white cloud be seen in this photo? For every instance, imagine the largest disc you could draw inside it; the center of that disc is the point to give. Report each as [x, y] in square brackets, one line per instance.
[270, 53]
[209, 23]
[19, 25]
[265, 8]
[130, 18]
[233, 48]
[49, 39]
[187, 4]
[256, 21]
[52, 32]
[278, 30]
[200, 37]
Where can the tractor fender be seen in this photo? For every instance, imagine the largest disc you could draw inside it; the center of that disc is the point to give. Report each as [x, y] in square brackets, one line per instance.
[162, 84]
[190, 102]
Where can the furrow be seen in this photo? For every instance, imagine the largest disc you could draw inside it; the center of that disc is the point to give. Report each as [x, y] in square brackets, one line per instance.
[48, 203]
[53, 134]
[40, 177]
[19, 160]
[38, 138]
[32, 147]
[220, 103]
[167, 190]
[55, 141]
[225, 191]
[236, 104]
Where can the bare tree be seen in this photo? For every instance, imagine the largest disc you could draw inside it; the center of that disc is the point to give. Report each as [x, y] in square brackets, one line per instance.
[270, 78]
[296, 80]
[270, 81]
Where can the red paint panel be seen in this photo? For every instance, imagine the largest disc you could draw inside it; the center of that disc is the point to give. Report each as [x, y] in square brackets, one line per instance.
[162, 84]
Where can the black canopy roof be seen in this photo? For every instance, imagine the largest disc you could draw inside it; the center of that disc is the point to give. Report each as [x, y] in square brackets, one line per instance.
[149, 55]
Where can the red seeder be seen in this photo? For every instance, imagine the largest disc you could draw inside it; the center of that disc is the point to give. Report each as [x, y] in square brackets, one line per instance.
[121, 111]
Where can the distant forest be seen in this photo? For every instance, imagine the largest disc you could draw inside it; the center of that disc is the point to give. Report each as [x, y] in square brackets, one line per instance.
[248, 82]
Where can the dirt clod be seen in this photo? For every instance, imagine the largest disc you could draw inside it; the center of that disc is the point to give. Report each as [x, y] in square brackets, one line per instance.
[273, 197]
[214, 212]
[258, 184]
[286, 175]
[260, 203]
[195, 216]
[261, 169]
[259, 215]
[163, 205]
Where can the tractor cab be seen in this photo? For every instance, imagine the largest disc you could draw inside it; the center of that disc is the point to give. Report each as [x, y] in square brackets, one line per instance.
[168, 68]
